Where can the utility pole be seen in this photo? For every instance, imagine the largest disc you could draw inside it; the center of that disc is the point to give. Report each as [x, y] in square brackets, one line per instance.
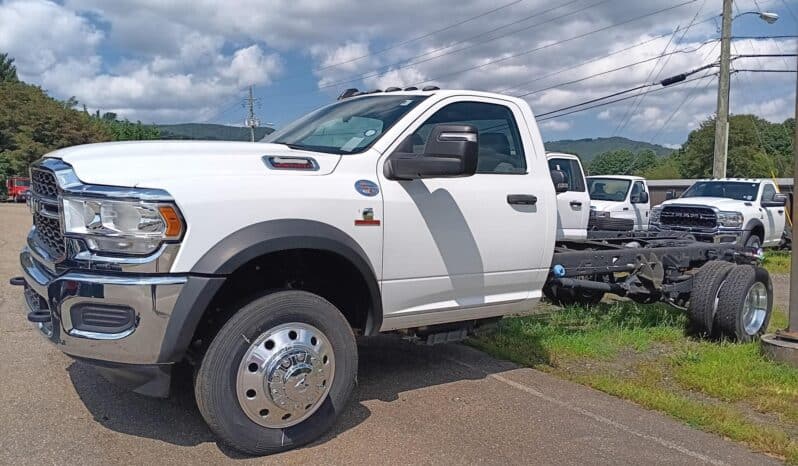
[252, 120]
[722, 113]
[783, 345]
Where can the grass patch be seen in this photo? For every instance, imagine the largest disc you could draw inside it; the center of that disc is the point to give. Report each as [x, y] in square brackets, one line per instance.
[641, 353]
[777, 261]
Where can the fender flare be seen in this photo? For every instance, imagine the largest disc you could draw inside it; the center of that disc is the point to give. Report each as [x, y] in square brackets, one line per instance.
[209, 273]
[749, 229]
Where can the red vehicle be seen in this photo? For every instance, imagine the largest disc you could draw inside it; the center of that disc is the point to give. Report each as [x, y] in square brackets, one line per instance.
[17, 187]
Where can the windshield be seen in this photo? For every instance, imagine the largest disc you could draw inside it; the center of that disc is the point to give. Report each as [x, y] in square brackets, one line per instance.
[346, 127]
[739, 190]
[608, 189]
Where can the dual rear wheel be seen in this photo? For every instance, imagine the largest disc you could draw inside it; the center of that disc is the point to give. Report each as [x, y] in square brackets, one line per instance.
[732, 301]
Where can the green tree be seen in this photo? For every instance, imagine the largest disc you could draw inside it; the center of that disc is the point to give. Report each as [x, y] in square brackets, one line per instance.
[757, 148]
[8, 72]
[32, 124]
[623, 162]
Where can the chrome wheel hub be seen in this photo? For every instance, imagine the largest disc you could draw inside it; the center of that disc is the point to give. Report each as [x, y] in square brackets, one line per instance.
[285, 375]
[755, 308]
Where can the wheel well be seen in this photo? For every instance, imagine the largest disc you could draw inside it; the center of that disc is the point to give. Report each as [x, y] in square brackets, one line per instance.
[759, 231]
[324, 273]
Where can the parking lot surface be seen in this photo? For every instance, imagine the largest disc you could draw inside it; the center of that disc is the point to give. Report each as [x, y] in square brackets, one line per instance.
[419, 405]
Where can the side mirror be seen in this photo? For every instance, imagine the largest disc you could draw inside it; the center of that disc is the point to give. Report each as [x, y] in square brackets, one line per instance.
[560, 180]
[451, 151]
[670, 195]
[641, 198]
[778, 200]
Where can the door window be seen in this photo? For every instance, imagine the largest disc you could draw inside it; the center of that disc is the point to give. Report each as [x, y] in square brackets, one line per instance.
[500, 148]
[768, 192]
[573, 173]
[637, 189]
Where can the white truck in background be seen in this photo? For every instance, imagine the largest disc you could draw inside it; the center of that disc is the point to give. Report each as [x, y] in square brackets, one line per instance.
[749, 211]
[424, 212]
[619, 201]
[604, 203]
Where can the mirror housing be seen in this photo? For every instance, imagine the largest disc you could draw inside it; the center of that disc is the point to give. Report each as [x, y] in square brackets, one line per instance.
[641, 198]
[451, 151]
[560, 180]
[779, 200]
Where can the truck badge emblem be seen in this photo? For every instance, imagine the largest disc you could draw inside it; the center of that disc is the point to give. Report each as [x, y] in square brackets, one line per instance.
[367, 188]
[368, 218]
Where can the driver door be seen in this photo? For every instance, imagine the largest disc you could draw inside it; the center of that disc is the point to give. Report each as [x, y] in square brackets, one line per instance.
[774, 217]
[460, 248]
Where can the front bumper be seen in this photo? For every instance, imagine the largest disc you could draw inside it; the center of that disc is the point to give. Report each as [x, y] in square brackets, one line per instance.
[713, 235]
[151, 298]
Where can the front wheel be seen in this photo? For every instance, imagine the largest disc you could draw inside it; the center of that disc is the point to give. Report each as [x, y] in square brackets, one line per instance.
[278, 373]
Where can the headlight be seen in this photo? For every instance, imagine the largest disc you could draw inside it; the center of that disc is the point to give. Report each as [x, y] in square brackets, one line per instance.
[132, 227]
[730, 219]
[654, 218]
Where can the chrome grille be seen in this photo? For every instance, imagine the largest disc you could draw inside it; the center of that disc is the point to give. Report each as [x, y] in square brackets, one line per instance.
[46, 218]
[688, 217]
[43, 183]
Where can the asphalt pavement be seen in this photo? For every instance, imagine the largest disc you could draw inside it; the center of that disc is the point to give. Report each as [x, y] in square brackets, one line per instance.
[418, 405]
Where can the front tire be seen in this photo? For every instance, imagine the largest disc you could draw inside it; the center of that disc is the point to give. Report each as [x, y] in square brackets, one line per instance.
[753, 241]
[278, 373]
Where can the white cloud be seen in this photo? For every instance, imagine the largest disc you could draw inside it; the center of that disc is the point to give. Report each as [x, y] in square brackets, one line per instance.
[189, 59]
[555, 125]
[40, 34]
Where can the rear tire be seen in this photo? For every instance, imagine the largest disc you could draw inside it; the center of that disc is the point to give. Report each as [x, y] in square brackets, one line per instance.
[262, 386]
[745, 303]
[704, 296]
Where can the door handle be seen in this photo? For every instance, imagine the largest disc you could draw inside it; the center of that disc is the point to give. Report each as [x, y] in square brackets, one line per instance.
[625, 208]
[522, 199]
[576, 204]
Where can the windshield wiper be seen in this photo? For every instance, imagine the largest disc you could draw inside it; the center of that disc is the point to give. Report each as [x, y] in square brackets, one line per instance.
[294, 146]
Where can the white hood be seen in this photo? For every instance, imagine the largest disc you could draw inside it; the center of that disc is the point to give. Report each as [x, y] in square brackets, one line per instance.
[144, 163]
[607, 206]
[721, 203]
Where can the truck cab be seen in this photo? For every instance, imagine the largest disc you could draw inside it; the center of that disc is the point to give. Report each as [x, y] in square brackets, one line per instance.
[620, 197]
[573, 202]
[16, 187]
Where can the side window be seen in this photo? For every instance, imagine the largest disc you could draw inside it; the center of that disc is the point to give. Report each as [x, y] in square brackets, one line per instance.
[500, 148]
[637, 188]
[573, 173]
[768, 192]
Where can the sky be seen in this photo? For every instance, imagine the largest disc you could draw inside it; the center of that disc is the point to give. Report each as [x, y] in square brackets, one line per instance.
[178, 61]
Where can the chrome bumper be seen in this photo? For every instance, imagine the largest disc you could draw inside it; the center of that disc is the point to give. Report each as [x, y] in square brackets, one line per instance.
[152, 299]
[711, 235]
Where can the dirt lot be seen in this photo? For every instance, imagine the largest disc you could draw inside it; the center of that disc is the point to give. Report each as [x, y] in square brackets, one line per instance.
[439, 405]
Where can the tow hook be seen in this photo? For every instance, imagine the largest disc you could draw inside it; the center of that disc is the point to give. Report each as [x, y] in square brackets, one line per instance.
[16, 281]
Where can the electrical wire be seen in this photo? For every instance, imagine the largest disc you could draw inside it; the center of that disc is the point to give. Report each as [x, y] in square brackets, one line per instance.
[553, 44]
[549, 116]
[423, 36]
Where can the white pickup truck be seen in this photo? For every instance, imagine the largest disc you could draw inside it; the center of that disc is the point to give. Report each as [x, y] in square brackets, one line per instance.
[613, 202]
[426, 212]
[751, 211]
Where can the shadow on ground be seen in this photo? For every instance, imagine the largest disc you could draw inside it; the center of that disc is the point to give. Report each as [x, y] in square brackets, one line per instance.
[388, 367]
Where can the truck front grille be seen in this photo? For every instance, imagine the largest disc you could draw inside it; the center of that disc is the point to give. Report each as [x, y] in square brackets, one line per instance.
[688, 217]
[46, 213]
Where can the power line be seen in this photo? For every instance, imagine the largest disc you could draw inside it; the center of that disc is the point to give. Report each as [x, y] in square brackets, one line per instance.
[602, 73]
[553, 44]
[595, 59]
[377, 72]
[423, 36]
[639, 102]
[601, 104]
[765, 71]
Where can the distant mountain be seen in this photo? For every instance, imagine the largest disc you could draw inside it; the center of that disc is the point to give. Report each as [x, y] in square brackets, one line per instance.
[208, 131]
[586, 149]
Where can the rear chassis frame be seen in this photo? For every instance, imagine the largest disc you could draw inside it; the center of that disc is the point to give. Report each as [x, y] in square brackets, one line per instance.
[644, 266]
